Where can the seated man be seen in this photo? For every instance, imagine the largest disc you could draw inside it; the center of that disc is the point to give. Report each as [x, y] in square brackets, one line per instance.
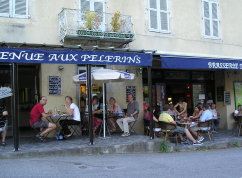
[131, 116]
[206, 115]
[165, 117]
[73, 110]
[36, 121]
[4, 123]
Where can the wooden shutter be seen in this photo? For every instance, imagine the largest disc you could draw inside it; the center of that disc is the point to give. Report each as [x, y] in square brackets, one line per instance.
[215, 19]
[20, 8]
[5, 8]
[153, 15]
[164, 16]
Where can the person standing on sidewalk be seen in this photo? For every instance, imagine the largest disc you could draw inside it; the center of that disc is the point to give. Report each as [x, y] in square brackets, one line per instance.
[36, 121]
[131, 115]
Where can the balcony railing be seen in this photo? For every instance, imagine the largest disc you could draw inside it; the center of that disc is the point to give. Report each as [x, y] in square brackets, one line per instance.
[74, 24]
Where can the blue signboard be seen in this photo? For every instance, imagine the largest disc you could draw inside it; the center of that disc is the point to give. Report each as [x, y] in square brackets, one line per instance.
[74, 57]
[183, 62]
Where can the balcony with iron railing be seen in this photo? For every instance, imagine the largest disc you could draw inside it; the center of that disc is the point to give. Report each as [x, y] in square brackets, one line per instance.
[82, 27]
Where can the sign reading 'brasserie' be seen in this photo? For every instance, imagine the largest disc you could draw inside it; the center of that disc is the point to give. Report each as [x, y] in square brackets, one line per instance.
[73, 57]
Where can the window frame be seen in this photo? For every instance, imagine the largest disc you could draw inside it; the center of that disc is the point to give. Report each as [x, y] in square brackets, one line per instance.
[158, 12]
[12, 11]
[211, 19]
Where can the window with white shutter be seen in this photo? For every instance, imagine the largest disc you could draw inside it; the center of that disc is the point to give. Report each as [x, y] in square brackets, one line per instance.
[159, 16]
[14, 8]
[211, 21]
[94, 5]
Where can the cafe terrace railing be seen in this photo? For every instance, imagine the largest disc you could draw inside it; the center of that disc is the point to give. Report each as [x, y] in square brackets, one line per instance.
[101, 26]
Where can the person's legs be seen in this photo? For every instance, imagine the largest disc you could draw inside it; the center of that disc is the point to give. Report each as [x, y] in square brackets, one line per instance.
[126, 123]
[189, 136]
[4, 133]
[50, 127]
[120, 123]
[97, 122]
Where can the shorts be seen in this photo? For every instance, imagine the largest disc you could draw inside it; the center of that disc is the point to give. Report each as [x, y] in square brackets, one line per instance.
[40, 124]
[196, 128]
[179, 130]
[3, 125]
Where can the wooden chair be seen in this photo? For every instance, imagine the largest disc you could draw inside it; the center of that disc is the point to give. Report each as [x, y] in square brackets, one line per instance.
[207, 128]
[168, 130]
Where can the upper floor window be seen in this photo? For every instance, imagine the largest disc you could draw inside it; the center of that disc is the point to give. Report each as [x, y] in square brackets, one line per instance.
[211, 21]
[159, 16]
[14, 8]
[94, 5]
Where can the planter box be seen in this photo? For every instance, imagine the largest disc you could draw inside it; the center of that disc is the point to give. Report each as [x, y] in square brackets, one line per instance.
[105, 35]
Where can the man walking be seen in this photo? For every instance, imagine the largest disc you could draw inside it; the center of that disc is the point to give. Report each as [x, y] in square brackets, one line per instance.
[131, 115]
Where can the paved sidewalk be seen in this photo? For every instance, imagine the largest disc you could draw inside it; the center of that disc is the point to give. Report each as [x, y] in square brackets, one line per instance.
[30, 147]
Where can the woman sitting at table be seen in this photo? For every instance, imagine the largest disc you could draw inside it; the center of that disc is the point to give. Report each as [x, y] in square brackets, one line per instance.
[97, 113]
[73, 110]
[197, 113]
[115, 112]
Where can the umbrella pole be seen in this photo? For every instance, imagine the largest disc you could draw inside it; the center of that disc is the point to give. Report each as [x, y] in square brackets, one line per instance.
[89, 92]
[104, 112]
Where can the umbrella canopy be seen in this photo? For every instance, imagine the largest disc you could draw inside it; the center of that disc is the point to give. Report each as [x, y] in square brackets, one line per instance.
[5, 92]
[104, 76]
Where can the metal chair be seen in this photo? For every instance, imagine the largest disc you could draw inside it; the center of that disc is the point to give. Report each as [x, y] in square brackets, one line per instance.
[131, 126]
[207, 128]
[76, 129]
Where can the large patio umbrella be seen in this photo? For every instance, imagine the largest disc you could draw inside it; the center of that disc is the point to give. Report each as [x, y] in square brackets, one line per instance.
[104, 76]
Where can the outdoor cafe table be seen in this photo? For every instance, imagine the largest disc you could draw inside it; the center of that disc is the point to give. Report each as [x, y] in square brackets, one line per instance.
[185, 124]
[57, 117]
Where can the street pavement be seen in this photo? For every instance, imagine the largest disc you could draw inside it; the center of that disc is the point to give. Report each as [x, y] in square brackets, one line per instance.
[213, 163]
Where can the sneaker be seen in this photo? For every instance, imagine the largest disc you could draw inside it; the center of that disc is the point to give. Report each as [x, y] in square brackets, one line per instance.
[200, 139]
[197, 143]
[41, 138]
[125, 134]
[214, 131]
[67, 136]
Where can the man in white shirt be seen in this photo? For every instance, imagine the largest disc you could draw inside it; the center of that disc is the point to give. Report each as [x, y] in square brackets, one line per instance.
[72, 110]
[206, 115]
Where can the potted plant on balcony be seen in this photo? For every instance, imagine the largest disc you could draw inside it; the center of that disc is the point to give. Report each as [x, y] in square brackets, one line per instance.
[92, 21]
[116, 22]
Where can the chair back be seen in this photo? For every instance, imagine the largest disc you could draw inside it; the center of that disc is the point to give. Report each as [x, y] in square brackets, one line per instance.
[166, 125]
[204, 124]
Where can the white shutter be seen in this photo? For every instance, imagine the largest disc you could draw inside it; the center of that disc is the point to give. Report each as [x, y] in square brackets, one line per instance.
[5, 8]
[20, 8]
[153, 15]
[85, 5]
[164, 16]
[99, 8]
[206, 18]
[215, 20]
[211, 19]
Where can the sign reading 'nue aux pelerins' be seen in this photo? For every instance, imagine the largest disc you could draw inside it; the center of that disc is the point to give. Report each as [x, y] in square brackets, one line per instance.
[74, 57]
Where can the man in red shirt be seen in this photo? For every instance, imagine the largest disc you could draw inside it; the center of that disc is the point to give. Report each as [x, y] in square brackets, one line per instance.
[36, 121]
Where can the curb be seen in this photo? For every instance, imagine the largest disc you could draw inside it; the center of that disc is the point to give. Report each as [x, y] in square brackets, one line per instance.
[152, 146]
